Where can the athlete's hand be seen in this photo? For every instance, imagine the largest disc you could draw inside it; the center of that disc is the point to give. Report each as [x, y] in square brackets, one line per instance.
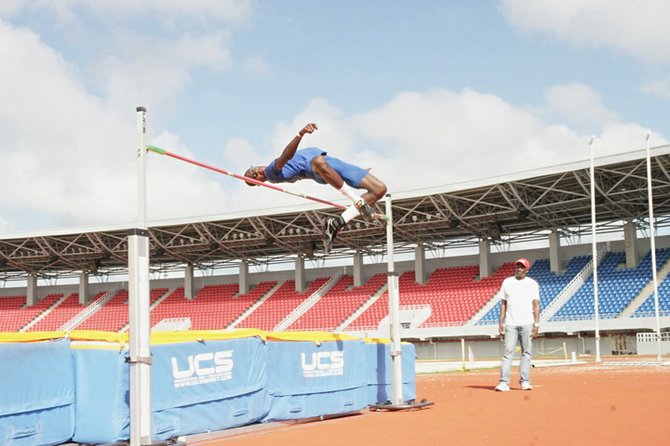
[309, 128]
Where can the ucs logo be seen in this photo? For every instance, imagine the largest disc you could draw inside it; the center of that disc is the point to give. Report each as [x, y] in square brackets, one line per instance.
[203, 368]
[322, 364]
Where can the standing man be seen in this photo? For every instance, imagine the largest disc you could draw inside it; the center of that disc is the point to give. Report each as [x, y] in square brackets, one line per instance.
[315, 163]
[519, 322]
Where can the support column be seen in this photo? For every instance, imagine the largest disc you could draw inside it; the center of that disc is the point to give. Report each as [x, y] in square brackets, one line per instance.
[420, 264]
[359, 280]
[555, 257]
[139, 331]
[300, 283]
[630, 244]
[394, 312]
[484, 258]
[84, 293]
[189, 285]
[244, 277]
[31, 292]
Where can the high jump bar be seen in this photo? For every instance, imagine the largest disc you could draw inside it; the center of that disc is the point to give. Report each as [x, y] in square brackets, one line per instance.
[160, 151]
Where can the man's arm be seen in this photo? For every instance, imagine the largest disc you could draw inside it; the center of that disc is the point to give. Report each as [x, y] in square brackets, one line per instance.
[292, 146]
[503, 312]
[536, 317]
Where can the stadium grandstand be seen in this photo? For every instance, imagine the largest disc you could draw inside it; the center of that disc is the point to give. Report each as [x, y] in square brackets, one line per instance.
[454, 245]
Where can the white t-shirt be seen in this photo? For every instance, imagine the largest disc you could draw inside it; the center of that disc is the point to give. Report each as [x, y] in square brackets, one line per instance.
[519, 295]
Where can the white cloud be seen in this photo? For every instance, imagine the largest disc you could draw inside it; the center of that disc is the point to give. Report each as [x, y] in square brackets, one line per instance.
[223, 11]
[67, 155]
[659, 87]
[6, 226]
[442, 137]
[154, 71]
[256, 66]
[151, 65]
[49, 123]
[637, 28]
[70, 154]
[579, 105]
[229, 11]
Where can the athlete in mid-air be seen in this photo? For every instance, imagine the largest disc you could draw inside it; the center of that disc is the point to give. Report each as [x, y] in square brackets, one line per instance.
[315, 163]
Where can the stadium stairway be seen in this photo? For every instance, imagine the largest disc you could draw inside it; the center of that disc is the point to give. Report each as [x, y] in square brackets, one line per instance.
[307, 303]
[646, 291]
[90, 309]
[61, 313]
[15, 313]
[618, 287]
[208, 310]
[570, 289]
[282, 302]
[339, 303]
[265, 296]
[114, 315]
[462, 299]
[484, 310]
[382, 291]
[152, 305]
[46, 311]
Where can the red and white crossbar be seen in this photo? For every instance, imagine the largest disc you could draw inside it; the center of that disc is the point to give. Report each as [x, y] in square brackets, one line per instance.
[160, 151]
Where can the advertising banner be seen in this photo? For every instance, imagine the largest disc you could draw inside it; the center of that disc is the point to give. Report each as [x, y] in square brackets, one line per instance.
[36, 392]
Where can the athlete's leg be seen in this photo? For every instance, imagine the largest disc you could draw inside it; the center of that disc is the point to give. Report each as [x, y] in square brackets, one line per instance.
[338, 174]
[374, 187]
[331, 175]
[321, 166]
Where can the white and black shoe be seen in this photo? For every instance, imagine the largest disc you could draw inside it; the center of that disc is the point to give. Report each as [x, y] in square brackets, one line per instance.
[366, 210]
[330, 229]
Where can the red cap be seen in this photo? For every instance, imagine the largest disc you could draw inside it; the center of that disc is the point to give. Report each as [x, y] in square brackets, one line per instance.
[525, 262]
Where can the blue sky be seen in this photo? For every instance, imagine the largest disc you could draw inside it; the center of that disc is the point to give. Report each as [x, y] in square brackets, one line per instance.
[427, 93]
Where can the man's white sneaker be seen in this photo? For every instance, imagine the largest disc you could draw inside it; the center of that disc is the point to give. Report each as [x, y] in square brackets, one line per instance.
[526, 386]
[330, 229]
[366, 211]
[502, 387]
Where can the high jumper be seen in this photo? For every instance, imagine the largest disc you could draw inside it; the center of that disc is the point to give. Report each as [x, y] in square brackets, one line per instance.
[314, 163]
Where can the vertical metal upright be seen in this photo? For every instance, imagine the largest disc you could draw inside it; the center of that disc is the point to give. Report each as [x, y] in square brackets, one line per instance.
[594, 254]
[397, 401]
[394, 311]
[652, 241]
[138, 283]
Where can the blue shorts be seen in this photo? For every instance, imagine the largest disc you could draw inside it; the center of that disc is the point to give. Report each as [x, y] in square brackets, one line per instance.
[352, 175]
[300, 167]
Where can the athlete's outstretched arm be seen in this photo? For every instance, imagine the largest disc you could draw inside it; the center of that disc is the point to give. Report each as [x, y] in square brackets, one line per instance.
[292, 146]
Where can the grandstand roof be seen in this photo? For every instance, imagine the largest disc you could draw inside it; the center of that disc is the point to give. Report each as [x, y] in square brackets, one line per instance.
[521, 206]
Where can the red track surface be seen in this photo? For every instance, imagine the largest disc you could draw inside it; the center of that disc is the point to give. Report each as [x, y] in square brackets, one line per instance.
[573, 405]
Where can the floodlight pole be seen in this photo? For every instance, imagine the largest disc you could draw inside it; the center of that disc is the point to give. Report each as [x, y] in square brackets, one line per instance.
[652, 231]
[138, 293]
[594, 253]
[394, 311]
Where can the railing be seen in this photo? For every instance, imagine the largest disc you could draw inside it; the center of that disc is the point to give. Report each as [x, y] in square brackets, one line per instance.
[414, 307]
[651, 313]
[651, 337]
[583, 317]
[172, 324]
[307, 303]
[443, 324]
[487, 322]
[90, 309]
[571, 287]
[43, 314]
[362, 309]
